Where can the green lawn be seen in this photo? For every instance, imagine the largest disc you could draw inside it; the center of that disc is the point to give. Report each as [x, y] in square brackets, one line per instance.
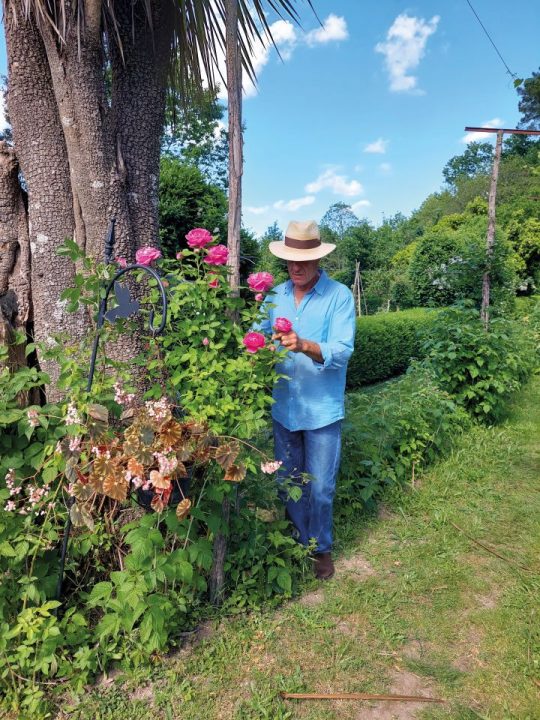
[416, 607]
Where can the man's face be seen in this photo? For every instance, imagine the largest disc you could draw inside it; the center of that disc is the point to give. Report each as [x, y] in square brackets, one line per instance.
[304, 273]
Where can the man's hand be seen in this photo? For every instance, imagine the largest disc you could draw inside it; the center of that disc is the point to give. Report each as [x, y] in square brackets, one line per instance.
[296, 344]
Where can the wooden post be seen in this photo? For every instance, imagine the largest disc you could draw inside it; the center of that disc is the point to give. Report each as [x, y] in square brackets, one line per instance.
[234, 112]
[490, 242]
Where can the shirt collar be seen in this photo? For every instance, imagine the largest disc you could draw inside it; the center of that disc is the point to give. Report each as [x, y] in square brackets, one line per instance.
[319, 286]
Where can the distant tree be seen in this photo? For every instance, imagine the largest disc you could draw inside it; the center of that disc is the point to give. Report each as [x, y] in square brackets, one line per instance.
[268, 262]
[187, 200]
[529, 103]
[195, 133]
[336, 221]
[476, 160]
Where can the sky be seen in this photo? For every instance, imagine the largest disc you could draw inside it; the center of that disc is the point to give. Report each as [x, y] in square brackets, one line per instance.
[368, 105]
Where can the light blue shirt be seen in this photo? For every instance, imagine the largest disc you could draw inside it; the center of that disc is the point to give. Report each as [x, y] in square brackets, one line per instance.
[313, 394]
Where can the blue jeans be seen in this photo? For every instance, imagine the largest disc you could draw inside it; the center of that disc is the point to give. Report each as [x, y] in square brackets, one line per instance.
[317, 453]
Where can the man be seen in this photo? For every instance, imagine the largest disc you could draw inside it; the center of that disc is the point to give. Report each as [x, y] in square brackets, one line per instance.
[309, 403]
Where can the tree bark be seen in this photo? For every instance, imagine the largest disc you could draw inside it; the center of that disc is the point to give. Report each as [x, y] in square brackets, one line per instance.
[41, 153]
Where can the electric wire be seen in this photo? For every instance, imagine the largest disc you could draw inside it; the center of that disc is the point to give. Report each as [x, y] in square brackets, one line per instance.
[512, 75]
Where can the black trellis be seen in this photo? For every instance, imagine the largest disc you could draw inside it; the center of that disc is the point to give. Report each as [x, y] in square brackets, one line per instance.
[126, 307]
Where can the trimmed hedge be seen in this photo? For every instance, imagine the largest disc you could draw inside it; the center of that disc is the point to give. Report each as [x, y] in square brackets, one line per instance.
[386, 342]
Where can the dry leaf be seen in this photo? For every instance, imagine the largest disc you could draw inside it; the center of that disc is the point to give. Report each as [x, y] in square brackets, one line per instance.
[157, 503]
[115, 486]
[181, 470]
[159, 481]
[135, 467]
[182, 511]
[236, 473]
[98, 412]
[76, 515]
[225, 455]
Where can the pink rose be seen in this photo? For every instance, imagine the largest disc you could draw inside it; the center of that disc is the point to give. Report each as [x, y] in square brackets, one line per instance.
[205, 341]
[259, 297]
[261, 281]
[282, 325]
[121, 261]
[198, 238]
[217, 255]
[179, 255]
[254, 341]
[147, 255]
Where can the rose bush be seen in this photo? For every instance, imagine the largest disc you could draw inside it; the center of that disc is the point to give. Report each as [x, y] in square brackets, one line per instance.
[135, 580]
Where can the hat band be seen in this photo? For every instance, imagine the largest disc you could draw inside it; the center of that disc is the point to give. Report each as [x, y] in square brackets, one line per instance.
[302, 244]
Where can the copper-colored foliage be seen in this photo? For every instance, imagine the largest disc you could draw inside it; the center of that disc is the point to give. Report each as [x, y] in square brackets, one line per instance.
[181, 470]
[135, 467]
[225, 455]
[170, 434]
[236, 473]
[159, 481]
[115, 486]
[183, 508]
[157, 504]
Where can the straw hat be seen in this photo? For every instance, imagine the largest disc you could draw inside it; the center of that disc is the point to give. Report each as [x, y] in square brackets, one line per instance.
[302, 242]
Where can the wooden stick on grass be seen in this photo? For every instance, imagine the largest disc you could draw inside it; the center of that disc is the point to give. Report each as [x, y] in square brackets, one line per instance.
[359, 696]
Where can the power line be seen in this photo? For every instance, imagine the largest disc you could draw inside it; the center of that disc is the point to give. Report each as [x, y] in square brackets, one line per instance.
[512, 75]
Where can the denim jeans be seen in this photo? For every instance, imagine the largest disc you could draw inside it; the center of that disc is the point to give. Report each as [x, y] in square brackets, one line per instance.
[317, 453]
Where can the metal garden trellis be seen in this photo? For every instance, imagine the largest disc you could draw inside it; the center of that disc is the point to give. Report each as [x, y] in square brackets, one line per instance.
[126, 308]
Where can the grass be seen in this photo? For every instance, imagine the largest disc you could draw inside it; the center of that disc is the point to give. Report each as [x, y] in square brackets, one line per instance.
[416, 607]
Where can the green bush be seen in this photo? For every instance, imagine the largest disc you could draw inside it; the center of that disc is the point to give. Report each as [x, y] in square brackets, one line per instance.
[480, 369]
[386, 342]
[390, 434]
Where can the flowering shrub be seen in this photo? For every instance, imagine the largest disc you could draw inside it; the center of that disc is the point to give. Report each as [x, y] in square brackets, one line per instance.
[134, 580]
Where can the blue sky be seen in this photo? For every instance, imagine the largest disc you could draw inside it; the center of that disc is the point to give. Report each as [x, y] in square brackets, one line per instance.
[368, 109]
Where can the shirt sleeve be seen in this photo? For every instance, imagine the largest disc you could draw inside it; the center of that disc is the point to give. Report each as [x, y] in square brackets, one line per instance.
[339, 345]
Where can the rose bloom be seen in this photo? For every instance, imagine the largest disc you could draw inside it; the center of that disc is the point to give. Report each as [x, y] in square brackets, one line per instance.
[259, 297]
[147, 255]
[261, 281]
[283, 325]
[198, 238]
[254, 341]
[121, 261]
[217, 255]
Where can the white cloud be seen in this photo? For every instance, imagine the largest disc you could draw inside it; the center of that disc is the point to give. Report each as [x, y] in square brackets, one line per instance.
[359, 204]
[287, 38]
[404, 48]
[338, 184]
[385, 168]
[483, 137]
[377, 146]
[333, 28]
[295, 204]
[257, 210]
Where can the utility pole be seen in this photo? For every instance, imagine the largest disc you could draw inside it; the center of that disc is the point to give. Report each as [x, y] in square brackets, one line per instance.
[490, 240]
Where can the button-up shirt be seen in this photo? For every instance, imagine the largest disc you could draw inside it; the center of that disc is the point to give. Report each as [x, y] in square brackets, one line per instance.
[312, 395]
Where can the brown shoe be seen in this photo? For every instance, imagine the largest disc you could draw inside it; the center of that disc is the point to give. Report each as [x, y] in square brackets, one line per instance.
[324, 567]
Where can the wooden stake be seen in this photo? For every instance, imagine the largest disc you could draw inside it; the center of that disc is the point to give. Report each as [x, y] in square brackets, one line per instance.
[359, 696]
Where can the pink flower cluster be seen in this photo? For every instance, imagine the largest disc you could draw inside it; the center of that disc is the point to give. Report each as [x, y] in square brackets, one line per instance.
[167, 462]
[217, 255]
[254, 342]
[10, 482]
[271, 466]
[72, 416]
[159, 410]
[282, 325]
[121, 396]
[146, 255]
[32, 415]
[198, 238]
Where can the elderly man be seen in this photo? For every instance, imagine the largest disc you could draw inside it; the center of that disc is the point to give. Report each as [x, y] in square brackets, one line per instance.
[309, 403]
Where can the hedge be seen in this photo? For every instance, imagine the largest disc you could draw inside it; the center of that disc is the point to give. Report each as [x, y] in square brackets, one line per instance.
[386, 342]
